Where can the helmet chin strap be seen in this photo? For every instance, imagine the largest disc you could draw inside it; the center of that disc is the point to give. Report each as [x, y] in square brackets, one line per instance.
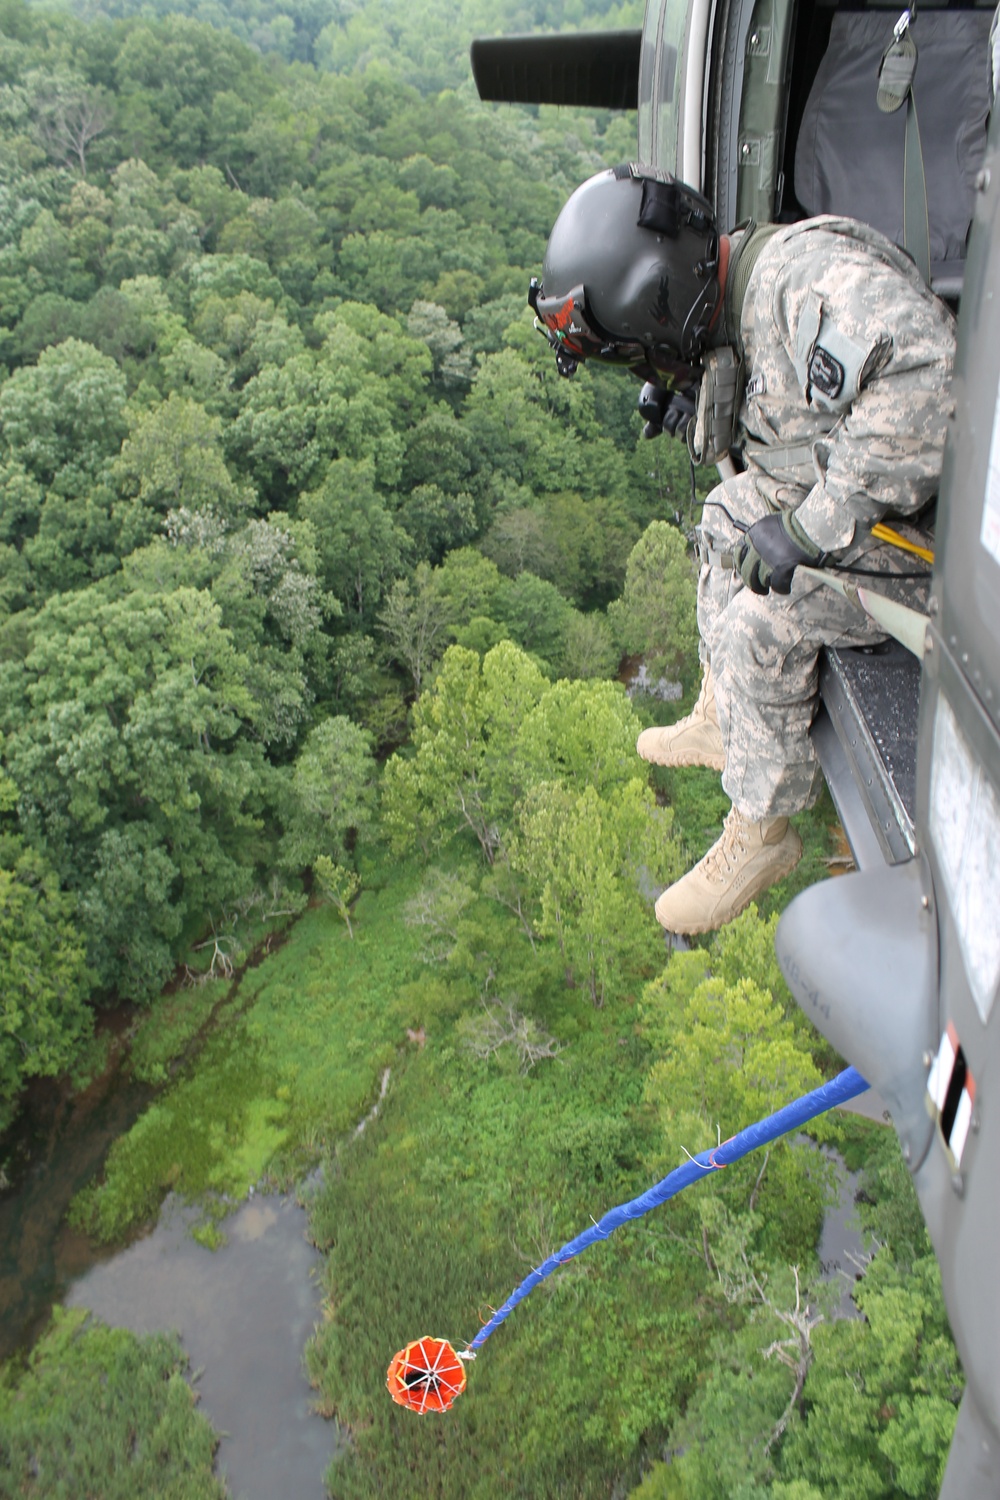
[702, 315]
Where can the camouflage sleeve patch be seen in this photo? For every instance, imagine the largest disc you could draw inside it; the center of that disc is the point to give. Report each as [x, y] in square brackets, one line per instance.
[834, 364]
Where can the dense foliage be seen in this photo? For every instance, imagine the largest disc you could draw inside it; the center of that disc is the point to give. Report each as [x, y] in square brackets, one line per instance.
[275, 431]
[314, 582]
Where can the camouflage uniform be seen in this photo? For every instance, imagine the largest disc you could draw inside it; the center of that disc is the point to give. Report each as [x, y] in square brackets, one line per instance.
[848, 357]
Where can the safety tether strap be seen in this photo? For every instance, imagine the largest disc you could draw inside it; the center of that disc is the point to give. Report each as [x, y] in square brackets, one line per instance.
[714, 428]
[743, 257]
[895, 87]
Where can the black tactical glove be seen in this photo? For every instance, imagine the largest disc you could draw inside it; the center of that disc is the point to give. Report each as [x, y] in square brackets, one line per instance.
[665, 411]
[773, 548]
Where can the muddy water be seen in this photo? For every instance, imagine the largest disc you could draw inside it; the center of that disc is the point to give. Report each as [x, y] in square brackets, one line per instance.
[53, 1150]
[842, 1248]
[244, 1314]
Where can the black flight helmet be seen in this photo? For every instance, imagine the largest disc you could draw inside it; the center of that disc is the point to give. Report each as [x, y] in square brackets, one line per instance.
[631, 276]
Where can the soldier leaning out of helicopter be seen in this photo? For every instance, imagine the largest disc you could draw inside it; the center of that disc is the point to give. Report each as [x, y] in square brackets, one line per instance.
[824, 359]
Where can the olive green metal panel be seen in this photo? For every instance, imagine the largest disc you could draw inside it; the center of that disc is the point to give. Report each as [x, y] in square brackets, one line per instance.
[762, 110]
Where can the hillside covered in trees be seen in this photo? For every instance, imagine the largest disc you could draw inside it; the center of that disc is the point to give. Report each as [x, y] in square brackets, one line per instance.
[315, 581]
[269, 372]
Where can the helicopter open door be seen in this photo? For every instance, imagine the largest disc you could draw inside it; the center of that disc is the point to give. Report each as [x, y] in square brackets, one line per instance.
[929, 1034]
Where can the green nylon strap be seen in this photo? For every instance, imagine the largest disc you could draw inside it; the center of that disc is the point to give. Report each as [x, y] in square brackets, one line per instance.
[743, 258]
[895, 87]
[916, 227]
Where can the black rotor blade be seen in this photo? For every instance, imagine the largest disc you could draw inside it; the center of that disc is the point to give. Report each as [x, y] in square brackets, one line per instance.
[595, 68]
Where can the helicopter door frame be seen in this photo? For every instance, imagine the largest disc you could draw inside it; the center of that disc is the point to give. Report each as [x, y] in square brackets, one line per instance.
[691, 134]
[673, 71]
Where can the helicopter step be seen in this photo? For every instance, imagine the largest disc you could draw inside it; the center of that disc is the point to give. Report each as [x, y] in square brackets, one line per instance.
[865, 736]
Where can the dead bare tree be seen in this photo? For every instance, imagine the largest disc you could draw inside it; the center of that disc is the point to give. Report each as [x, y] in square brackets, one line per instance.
[795, 1353]
[69, 121]
[230, 930]
[740, 1283]
[221, 966]
[538, 1232]
[501, 1024]
[437, 909]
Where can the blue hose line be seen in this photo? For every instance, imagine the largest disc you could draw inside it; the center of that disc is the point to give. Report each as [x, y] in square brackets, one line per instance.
[846, 1085]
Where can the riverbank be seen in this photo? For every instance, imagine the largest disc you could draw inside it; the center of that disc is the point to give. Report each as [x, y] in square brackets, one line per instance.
[243, 1315]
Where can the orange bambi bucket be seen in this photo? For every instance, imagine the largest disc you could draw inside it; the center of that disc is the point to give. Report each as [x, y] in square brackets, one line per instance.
[426, 1376]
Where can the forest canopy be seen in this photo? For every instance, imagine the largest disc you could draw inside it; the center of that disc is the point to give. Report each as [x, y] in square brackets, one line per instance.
[276, 431]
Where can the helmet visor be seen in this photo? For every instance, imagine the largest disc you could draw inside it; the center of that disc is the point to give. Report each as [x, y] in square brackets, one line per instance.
[569, 324]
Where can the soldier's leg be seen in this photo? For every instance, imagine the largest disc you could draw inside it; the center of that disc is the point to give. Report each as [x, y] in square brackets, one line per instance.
[765, 652]
[730, 508]
[697, 739]
[766, 666]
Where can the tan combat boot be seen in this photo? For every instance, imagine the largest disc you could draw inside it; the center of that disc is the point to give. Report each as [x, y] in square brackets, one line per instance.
[694, 741]
[747, 859]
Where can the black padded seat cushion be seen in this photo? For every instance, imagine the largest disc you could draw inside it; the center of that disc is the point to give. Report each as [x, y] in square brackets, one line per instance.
[849, 156]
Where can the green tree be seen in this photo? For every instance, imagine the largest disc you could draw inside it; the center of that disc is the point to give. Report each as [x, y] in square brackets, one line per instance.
[887, 1387]
[172, 458]
[464, 774]
[131, 732]
[589, 650]
[96, 1401]
[655, 616]
[729, 1055]
[534, 613]
[64, 417]
[583, 734]
[452, 368]
[436, 521]
[361, 549]
[333, 793]
[415, 621]
[338, 887]
[44, 1017]
[585, 855]
[796, 1406]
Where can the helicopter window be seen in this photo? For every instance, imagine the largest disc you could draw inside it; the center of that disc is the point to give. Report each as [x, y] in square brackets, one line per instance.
[647, 61]
[659, 82]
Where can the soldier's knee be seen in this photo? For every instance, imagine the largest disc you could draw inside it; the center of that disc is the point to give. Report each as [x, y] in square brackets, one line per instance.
[763, 640]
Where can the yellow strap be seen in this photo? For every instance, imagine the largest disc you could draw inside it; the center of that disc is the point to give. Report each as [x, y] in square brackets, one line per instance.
[886, 534]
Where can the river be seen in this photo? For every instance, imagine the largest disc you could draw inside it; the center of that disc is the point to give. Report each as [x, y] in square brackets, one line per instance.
[244, 1314]
[54, 1148]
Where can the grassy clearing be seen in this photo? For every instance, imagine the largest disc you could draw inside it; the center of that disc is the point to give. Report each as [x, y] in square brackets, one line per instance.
[293, 1062]
[473, 1173]
[161, 1034]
